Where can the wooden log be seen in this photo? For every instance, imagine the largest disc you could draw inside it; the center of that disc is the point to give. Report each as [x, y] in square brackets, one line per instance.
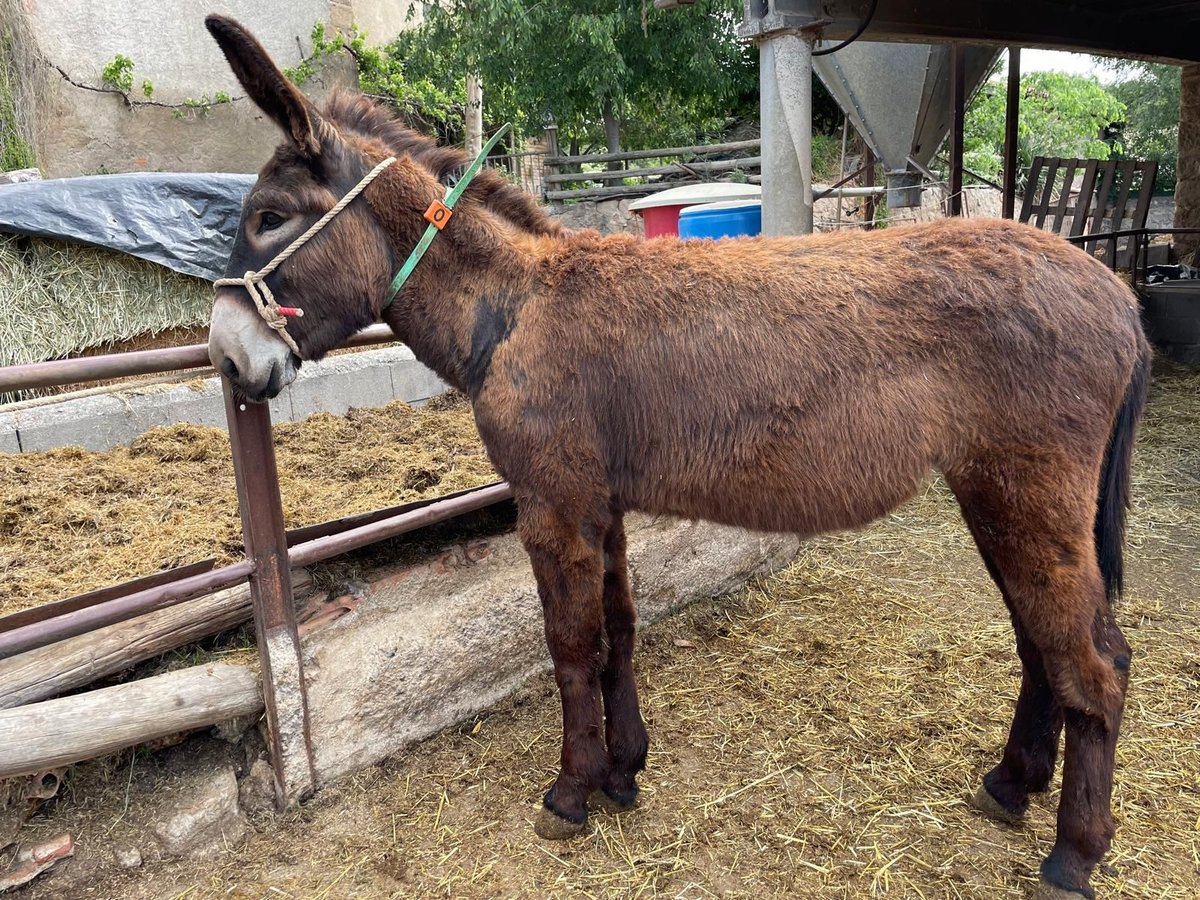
[731, 147]
[716, 165]
[60, 732]
[76, 662]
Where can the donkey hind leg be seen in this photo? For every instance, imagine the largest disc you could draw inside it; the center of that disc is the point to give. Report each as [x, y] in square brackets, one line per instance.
[1039, 537]
[570, 572]
[1032, 748]
[624, 730]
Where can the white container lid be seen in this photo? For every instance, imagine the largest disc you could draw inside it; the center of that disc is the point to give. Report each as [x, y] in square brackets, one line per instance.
[723, 204]
[691, 194]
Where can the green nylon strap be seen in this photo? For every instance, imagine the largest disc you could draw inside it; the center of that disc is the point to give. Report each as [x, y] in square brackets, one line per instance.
[432, 231]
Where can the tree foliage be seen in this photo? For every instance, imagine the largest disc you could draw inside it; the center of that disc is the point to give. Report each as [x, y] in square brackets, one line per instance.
[668, 75]
[1061, 115]
[1150, 92]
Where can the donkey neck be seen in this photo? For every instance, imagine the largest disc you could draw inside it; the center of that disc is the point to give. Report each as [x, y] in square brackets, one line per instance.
[464, 297]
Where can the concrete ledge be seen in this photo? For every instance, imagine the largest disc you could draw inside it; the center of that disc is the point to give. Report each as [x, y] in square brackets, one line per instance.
[367, 378]
[433, 644]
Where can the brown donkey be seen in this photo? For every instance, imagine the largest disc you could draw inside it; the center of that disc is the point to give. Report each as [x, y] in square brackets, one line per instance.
[790, 384]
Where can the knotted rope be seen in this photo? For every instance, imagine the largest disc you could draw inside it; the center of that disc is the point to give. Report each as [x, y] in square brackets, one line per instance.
[273, 314]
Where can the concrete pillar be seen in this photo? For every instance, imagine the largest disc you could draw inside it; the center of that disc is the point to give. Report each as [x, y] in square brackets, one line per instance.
[785, 86]
[1187, 185]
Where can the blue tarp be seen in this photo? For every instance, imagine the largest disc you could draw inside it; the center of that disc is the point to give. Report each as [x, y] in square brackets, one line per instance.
[184, 221]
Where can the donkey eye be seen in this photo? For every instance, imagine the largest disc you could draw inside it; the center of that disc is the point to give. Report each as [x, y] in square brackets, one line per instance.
[269, 221]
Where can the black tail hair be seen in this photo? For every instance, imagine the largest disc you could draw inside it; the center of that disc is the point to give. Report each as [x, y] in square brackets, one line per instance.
[1114, 479]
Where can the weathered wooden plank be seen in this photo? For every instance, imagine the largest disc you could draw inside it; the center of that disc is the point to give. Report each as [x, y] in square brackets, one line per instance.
[617, 190]
[77, 662]
[1035, 172]
[1043, 204]
[1064, 194]
[731, 147]
[60, 732]
[1083, 204]
[719, 165]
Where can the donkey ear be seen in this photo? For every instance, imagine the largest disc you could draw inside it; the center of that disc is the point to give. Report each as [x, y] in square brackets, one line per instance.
[266, 85]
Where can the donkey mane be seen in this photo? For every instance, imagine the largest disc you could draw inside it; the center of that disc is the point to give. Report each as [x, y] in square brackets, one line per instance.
[355, 113]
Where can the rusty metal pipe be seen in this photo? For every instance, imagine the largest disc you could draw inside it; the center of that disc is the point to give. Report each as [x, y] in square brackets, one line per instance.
[48, 631]
[39, 634]
[58, 372]
[324, 547]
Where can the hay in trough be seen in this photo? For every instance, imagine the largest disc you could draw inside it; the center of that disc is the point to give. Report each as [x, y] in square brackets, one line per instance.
[814, 737]
[73, 520]
[61, 299]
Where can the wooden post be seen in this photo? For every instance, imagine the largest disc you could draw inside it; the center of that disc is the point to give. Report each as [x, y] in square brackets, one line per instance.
[284, 690]
[551, 142]
[1012, 116]
[958, 99]
[869, 181]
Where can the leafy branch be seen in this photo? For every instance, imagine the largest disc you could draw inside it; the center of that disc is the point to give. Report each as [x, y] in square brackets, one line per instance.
[117, 78]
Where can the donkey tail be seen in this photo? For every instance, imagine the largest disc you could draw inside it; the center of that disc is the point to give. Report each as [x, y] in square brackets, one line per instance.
[1113, 499]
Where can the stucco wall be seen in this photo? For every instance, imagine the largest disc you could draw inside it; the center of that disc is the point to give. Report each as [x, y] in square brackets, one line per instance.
[80, 131]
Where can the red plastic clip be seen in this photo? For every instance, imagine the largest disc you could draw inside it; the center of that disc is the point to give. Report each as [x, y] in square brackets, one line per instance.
[438, 214]
[291, 311]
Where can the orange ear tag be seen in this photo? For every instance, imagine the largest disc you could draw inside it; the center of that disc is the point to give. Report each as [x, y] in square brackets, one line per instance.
[438, 214]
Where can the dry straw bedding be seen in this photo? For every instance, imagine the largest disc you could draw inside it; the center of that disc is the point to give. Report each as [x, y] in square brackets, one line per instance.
[73, 520]
[815, 736]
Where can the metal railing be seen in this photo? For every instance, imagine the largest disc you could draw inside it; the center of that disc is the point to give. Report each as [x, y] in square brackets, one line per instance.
[270, 555]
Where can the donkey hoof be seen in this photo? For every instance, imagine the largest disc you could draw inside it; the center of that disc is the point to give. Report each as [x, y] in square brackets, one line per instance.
[550, 826]
[601, 799]
[994, 809]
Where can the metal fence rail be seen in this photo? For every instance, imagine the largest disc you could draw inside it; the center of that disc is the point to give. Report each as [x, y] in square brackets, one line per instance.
[268, 556]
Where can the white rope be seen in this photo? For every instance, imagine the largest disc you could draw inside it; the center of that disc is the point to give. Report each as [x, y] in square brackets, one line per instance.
[273, 314]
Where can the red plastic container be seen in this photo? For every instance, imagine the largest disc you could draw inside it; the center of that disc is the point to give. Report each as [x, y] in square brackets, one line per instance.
[660, 212]
[658, 220]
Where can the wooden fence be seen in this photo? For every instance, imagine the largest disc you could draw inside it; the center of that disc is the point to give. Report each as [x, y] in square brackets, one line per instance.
[599, 176]
[546, 173]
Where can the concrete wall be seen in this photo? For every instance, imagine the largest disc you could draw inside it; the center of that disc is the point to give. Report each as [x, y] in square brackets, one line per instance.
[334, 385]
[80, 131]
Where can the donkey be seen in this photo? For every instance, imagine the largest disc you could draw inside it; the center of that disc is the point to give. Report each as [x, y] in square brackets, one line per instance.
[782, 384]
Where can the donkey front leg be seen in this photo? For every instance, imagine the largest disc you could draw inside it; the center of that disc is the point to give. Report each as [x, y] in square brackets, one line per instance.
[625, 731]
[569, 569]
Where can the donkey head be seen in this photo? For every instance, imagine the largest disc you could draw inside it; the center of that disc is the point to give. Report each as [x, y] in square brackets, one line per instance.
[338, 278]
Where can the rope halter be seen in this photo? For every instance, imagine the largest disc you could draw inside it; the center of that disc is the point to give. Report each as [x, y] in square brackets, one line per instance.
[255, 283]
[437, 215]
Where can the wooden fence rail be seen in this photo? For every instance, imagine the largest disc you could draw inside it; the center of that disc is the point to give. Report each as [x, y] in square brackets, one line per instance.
[694, 163]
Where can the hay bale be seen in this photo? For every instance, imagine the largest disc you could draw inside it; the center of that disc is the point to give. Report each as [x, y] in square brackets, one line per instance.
[61, 299]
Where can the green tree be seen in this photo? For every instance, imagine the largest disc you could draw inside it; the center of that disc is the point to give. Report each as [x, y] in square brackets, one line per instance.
[1150, 92]
[655, 75]
[1061, 115]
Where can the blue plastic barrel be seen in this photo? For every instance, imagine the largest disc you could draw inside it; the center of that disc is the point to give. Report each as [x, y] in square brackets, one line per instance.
[729, 218]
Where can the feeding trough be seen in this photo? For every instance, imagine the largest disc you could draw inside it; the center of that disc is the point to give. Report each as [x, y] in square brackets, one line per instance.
[898, 98]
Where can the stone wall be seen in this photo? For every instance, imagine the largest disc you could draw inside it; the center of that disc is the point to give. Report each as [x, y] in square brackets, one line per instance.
[81, 130]
[1187, 186]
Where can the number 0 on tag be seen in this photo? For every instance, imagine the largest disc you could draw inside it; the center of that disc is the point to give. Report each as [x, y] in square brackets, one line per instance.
[438, 214]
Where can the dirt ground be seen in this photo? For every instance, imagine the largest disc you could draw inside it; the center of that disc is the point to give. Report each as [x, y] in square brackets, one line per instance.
[815, 736]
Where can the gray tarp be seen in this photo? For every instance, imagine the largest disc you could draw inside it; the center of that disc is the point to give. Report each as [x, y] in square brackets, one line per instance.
[185, 222]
